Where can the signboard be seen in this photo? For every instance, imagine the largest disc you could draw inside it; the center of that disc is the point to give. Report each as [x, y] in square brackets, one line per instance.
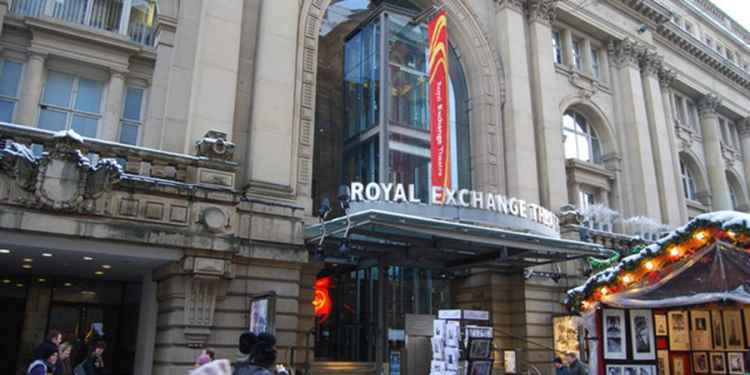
[263, 313]
[509, 361]
[439, 132]
[394, 362]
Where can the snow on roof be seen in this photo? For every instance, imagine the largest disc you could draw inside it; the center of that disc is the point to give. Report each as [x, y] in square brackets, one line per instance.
[70, 133]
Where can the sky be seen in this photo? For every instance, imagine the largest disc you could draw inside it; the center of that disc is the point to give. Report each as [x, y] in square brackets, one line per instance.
[739, 10]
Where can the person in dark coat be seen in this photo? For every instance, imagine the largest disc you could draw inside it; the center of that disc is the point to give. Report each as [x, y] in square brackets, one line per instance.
[64, 365]
[45, 358]
[94, 363]
[575, 367]
[560, 368]
[261, 353]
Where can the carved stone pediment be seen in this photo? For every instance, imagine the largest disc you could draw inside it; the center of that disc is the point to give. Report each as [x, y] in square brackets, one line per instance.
[685, 136]
[586, 87]
[730, 155]
[215, 145]
[61, 178]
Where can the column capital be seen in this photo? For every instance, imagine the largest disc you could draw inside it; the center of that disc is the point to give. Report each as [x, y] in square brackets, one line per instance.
[543, 11]
[666, 77]
[35, 54]
[625, 52]
[708, 103]
[743, 127]
[651, 62]
[517, 5]
[118, 72]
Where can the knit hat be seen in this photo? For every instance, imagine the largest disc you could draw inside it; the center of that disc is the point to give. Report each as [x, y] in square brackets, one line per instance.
[45, 350]
[218, 367]
[203, 359]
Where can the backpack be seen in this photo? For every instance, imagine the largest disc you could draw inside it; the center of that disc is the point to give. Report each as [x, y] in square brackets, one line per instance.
[35, 363]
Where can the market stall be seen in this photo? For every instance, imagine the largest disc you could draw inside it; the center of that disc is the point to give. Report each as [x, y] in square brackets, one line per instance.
[680, 306]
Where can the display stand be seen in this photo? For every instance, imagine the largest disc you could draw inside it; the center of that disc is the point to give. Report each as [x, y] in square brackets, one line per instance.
[460, 345]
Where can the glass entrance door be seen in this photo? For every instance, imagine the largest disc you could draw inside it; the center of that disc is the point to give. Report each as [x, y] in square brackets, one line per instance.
[83, 324]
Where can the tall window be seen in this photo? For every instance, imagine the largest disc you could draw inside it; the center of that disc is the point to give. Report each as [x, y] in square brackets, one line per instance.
[679, 109]
[586, 198]
[688, 182]
[595, 66]
[733, 195]
[688, 27]
[132, 116]
[71, 102]
[692, 115]
[10, 76]
[557, 47]
[577, 54]
[581, 141]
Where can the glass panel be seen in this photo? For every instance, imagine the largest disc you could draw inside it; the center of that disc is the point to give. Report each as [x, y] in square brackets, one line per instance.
[583, 148]
[89, 96]
[133, 100]
[129, 133]
[410, 169]
[361, 163]
[52, 120]
[66, 320]
[11, 75]
[85, 126]
[569, 122]
[58, 89]
[581, 125]
[6, 110]
[87, 291]
[596, 151]
[570, 144]
[408, 79]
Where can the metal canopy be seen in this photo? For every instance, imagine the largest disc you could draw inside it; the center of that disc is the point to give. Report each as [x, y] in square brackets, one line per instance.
[398, 238]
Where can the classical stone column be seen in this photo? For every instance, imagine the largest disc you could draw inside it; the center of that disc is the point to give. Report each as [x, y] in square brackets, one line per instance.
[31, 90]
[666, 76]
[4, 5]
[551, 157]
[643, 194]
[651, 64]
[113, 106]
[166, 29]
[146, 337]
[520, 146]
[720, 197]
[743, 127]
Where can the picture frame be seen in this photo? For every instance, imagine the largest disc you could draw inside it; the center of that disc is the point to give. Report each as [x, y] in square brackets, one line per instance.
[660, 325]
[452, 356]
[700, 330]
[680, 364]
[509, 361]
[736, 363]
[630, 370]
[642, 335]
[700, 363]
[717, 330]
[615, 339]
[647, 370]
[567, 334]
[718, 363]
[438, 345]
[263, 313]
[733, 333]
[679, 336]
[480, 368]
[480, 348]
[452, 333]
[662, 360]
[438, 327]
[746, 313]
[614, 370]
[437, 366]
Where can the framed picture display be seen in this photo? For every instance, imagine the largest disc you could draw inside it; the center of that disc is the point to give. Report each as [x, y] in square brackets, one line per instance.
[641, 335]
[630, 370]
[263, 313]
[680, 365]
[452, 333]
[679, 336]
[733, 332]
[746, 312]
[438, 344]
[479, 348]
[480, 368]
[567, 334]
[717, 330]
[662, 361]
[718, 363]
[660, 322]
[509, 361]
[700, 333]
[736, 363]
[700, 362]
[451, 358]
[614, 370]
[614, 334]
[438, 327]
[647, 370]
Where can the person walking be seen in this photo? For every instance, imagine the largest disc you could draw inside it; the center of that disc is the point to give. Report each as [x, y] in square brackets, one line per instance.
[575, 367]
[45, 358]
[560, 368]
[218, 367]
[261, 353]
[94, 363]
[64, 365]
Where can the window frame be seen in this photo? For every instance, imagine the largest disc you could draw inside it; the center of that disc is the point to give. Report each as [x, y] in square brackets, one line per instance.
[141, 122]
[596, 63]
[557, 46]
[13, 99]
[690, 189]
[71, 112]
[576, 45]
[590, 135]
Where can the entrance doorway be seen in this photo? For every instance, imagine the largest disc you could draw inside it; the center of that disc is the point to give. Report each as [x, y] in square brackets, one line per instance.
[11, 316]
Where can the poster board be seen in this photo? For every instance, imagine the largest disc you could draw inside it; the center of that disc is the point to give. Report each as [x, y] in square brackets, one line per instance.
[263, 313]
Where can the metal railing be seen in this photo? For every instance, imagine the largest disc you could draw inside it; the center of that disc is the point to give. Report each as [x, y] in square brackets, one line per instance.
[99, 14]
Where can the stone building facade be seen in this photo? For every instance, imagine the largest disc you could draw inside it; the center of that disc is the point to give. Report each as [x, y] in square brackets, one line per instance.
[223, 119]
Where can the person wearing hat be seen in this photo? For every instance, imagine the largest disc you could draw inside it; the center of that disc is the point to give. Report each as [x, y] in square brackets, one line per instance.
[45, 359]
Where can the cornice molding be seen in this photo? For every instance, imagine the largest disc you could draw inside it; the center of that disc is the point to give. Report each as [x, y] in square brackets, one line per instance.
[707, 104]
[651, 62]
[743, 127]
[666, 77]
[543, 11]
[649, 9]
[626, 52]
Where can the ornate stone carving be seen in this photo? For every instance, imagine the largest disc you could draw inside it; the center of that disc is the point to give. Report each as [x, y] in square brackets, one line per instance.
[542, 10]
[518, 5]
[743, 127]
[651, 63]
[625, 52]
[214, 219]
[214, 145]
[207, 285]
[707, 104]
[586, 87]
[666, 77]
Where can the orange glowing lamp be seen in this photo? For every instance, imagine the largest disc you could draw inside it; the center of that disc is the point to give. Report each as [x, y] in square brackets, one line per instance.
[322, 302]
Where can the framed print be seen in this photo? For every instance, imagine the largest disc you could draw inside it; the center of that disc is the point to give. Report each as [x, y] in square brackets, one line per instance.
[452, 332]
[438, 327]
[630, 370]
[263, 313]
[479, 348]
[641, 335]
[509, 361]
[679, 337]
[647, 370]
[451, 358]
[614, 334]
[736, 363]
[660, 322]
[746, 312]
[614, 370]
[438, 344]
[437, 366]
[567, 334]
[662, 361]
[733, 332]
[717, 330]
[700, 363]
[480, 368]
[700, 333]
[680, 365]
[718, 363]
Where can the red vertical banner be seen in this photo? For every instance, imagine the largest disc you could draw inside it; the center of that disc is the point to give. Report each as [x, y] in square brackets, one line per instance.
[439, 130]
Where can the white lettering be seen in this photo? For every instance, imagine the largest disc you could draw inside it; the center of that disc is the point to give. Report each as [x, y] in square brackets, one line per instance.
[357, 190]
[372, 192]
[462, 197]
[502, 204]
[413, 194]
[400, 195]
[436, 194]
[387, 191]
[513, 203]
[477, 199]
[491, 202]
[522, 208]
[449, 196]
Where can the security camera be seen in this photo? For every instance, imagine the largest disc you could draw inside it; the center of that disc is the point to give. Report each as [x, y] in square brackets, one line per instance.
[642, 29]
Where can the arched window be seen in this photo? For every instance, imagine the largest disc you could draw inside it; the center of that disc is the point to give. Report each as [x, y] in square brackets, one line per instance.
[735, 190]
[581, 140]
[688, 181]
